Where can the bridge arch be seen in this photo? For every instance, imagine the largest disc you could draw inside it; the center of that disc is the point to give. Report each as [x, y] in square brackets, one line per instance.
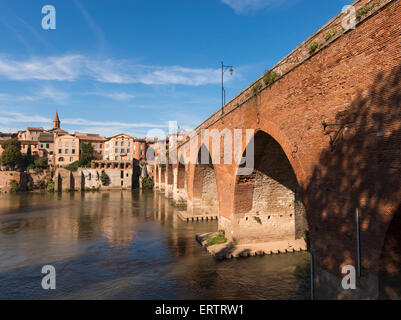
[268, 202]
[205, 196]
[180, 182]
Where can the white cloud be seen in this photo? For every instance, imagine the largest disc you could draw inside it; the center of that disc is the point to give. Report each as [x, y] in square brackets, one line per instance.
[245, 6]
[7, 117]
[75, 67]
[118, 96]
[117, 124]
[65, 68]
[47, 93]
[50, 93]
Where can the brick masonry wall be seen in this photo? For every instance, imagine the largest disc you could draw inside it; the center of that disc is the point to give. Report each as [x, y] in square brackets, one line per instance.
[7, 176]
[337, 117]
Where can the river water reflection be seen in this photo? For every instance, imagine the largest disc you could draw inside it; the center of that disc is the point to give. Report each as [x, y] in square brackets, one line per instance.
[126, 245]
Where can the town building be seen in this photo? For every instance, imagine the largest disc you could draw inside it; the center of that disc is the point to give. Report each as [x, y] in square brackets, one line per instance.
[46, 147]
[66, 149]
[123, 147]
[30, 134]
[95, 140]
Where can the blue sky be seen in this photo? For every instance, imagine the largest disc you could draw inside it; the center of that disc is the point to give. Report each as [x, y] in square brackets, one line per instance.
[129, 66]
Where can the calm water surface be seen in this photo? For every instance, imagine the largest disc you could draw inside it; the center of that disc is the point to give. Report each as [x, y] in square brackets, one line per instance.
[127, 245]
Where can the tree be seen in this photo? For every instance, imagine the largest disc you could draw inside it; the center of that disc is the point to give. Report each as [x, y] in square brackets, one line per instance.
[86, 156]
[147, 183]
[73, 166]
[11, 156]
[104, 178]
[41, 163]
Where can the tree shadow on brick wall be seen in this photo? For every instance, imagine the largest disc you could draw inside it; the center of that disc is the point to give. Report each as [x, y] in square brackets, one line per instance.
[361, 168]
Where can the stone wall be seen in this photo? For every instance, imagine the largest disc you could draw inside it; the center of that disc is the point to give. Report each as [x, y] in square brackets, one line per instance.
[7, 176]
[266, 206]
[90, 178]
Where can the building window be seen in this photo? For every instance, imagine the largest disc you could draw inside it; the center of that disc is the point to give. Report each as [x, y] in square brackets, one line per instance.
[116, 151]
[122, 143]
[59, 144]
[71, 159]
[61, 159]
[66, 144]
[116, 143]
[73, 151]
[116, 158]
[73, 144]
[66, 151]
[128, 158]
[60, 151]
[47, 146]
[141, 147]
[122, 150]
[100, 146]
[41, 146]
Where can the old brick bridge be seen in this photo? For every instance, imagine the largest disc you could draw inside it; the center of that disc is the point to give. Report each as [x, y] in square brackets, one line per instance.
[327, 143]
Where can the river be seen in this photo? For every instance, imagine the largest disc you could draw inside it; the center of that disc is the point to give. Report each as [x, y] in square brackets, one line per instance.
[127, 245]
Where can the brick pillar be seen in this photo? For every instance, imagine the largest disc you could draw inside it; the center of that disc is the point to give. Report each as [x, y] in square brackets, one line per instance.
[168, 191]
[156, 177]
[161, 182]
[179, 192]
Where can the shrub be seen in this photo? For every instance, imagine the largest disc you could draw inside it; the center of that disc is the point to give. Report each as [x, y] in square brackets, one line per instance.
[41, 163]
[72, 166]
[30, 186]
[219, 239]
[147, 183]
[313, 47]
[258, 220]
[330, 34]
[270, 77]
[50, 186]
[361, 12]
[14, 186]
[256, 88]
[38, 170]
[41, 184]
[104, 178]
